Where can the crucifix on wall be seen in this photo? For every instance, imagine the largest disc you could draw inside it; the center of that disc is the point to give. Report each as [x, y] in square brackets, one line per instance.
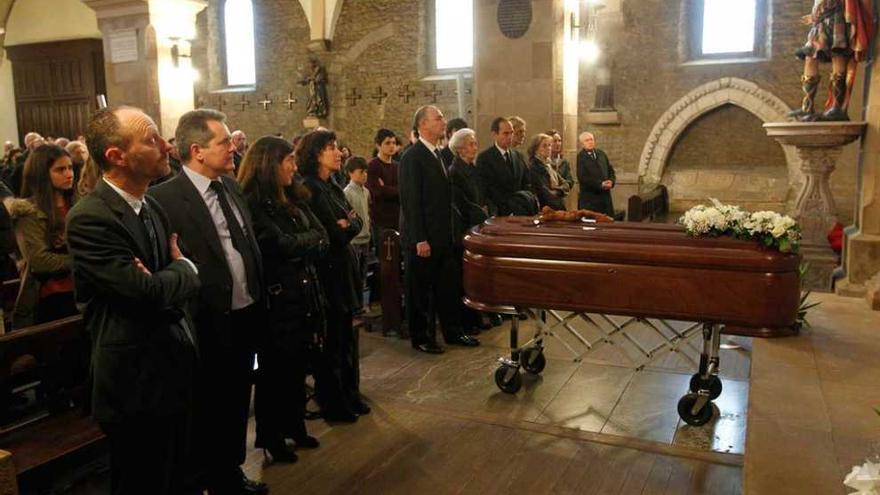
[265, 102]
[353, 97]
[290, 100]
[434, 93]
[379, 96]
[405, 94]
[243, 103]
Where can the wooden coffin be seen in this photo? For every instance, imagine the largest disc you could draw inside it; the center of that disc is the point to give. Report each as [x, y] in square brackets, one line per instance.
[635, 269]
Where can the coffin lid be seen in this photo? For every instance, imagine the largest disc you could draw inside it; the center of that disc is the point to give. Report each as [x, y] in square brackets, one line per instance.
[630, 243]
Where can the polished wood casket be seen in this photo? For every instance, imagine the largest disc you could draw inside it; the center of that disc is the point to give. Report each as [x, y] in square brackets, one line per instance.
[634, 269]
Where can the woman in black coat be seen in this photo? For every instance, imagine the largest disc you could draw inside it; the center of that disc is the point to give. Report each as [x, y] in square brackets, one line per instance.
[338, 392]
[545, 181]
[291, 240]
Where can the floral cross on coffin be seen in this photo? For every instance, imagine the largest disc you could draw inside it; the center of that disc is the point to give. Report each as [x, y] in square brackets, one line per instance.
[771, 229]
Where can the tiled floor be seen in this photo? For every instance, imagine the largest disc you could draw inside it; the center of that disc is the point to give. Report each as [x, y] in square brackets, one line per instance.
[602, 393]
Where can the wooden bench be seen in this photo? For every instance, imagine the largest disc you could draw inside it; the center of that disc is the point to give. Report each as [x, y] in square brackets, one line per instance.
[8, 295]
[652, 206]
[49, 364]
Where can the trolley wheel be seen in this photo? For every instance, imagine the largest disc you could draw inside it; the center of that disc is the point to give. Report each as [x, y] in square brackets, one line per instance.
[714, 386]
[686, 403]
[533, 360]
[508, 379]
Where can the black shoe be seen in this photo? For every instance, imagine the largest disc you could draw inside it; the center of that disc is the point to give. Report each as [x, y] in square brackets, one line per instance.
[429, 348]
[464, 340]
[252, 487]
[238, 484]
[279, 453]
[306, 442]
[361, 408]
[495, 319]
[339, 416]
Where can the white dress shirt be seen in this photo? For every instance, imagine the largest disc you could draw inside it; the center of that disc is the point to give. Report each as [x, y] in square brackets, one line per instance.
[241, 298]
[136, 204]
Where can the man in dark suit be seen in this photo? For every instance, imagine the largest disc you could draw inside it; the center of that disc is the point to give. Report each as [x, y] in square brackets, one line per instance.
[596, 177]
[132, 284]
[206, 208]
[239, 141]
[426, 225]
[502, 171]
[446, 153]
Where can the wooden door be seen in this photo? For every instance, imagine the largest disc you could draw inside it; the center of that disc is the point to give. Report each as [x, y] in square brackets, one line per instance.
[56, 85]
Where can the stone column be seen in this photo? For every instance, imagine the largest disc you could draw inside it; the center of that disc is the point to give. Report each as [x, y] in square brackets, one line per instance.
[159, 79]
[540, 84]
[818, 145]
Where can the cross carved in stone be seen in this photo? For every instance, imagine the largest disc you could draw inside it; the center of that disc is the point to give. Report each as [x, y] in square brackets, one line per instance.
[434, 93]
[405, 94]
[353, 97]
[220, 103]
[265, 102]
[290, 100]
[243, 103]
[379, 96]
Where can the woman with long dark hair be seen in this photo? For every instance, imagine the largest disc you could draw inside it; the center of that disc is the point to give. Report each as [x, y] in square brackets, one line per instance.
[47, 195]
[338, 391]
[291, 240]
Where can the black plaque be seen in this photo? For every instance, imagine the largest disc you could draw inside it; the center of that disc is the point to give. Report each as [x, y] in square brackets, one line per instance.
[514, 17]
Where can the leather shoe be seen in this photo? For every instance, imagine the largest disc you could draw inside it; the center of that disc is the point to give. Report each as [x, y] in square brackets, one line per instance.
[464, 340]
[429, 348]
[361, 408]
[306, 442]
[280, 453]
[339, 416]
[239, 485]
[495, 319]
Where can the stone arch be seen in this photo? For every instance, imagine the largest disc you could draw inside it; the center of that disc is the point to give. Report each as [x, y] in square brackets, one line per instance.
[727, 90]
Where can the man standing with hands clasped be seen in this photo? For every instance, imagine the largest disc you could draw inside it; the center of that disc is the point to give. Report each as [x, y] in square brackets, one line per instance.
[596, 177]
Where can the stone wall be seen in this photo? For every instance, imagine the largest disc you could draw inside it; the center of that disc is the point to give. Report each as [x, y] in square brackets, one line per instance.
[745, 167]
[377, 44]
[649, 73]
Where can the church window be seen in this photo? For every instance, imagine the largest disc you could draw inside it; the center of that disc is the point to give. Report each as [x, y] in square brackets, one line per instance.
[728, 28]
[453, 35]
[238, 28]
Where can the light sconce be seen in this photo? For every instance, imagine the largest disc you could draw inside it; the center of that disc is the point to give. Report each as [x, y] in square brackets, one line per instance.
[589, 45]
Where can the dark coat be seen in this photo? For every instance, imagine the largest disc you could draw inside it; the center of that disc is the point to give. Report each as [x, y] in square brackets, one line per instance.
[425, 200]
[467, 194]
[338, 270]
[547, 196]
[564, 171]
[191, 219]
[501, 182]
[143, 350]
[291, 242]
[591, 174]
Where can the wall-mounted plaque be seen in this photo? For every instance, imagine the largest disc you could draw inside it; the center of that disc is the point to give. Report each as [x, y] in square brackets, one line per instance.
[123, 46]
[514, 17]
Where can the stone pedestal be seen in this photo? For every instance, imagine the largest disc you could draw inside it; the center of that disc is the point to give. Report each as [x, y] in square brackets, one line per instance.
[818, 146]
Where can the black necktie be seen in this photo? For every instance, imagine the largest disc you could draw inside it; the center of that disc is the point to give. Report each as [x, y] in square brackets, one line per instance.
[440, 157]
[239, 240]
[147, 219]
[507, 159]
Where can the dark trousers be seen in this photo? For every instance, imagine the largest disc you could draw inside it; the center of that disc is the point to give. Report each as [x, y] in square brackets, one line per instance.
[361, 252]
[279, 396]
[146, 455]
[223, 396]
[337, 372]
[439, 276]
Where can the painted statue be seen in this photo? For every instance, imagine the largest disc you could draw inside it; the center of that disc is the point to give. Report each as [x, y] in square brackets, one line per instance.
[318, 105]
[840, 32]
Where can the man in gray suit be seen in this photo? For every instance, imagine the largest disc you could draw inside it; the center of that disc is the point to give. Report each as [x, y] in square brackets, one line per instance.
[132, 284]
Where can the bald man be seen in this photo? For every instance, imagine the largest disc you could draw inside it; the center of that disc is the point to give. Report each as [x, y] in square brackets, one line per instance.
[596, 177]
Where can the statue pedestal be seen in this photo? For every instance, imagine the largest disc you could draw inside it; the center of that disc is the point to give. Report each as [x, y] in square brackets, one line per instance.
[818, 145]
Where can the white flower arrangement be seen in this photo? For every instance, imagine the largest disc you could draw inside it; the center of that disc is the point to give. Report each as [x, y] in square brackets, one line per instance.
[768, 227]
[865, 479]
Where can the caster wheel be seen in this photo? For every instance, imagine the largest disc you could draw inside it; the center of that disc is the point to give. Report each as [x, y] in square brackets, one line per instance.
[686, 403]
[533, 360]
[714, 386]
[508, 379]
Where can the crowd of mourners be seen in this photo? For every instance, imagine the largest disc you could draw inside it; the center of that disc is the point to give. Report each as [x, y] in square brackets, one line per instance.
[191, 256]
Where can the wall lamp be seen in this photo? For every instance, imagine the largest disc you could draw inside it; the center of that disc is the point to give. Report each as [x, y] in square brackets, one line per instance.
[589, 45]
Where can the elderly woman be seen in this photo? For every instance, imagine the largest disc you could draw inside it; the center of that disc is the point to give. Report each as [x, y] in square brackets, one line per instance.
[560, 164]
[467, 197]
[545, 181]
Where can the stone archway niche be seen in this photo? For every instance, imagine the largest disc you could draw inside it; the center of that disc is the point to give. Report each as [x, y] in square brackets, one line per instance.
[680, 115]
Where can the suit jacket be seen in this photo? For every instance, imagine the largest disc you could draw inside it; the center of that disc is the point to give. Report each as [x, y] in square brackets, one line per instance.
[143, 349]
[425, 200]
[448, 156]
[190, 218]
[591, 173]
[467, 195]
[547, 196]
[500, 182]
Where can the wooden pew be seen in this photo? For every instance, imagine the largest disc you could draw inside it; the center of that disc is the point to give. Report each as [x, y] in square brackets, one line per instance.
[8, 295]
[652, 206]
[47, 361]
